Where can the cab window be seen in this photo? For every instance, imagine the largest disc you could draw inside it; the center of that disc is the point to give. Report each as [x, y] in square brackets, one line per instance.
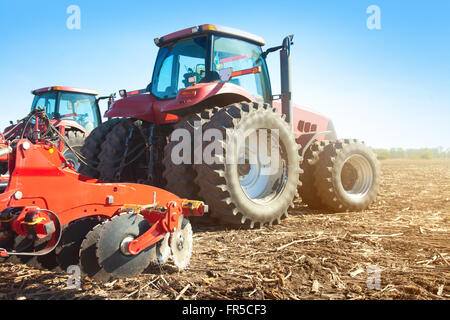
[178, 66]
[241, 55]
[47, 101]
[81, 108]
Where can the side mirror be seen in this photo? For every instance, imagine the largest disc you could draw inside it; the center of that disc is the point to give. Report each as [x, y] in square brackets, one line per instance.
[287, 42]
[111, 100]
[123, 93]
[225, 74]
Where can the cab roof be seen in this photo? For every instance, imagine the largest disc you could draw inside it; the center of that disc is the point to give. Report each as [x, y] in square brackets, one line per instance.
[65, 89]
[209, 28]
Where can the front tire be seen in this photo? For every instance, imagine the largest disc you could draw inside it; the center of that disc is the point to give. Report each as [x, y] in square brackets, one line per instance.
[347, 176]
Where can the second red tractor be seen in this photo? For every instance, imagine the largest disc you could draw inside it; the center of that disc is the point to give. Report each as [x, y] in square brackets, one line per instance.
[74, 111]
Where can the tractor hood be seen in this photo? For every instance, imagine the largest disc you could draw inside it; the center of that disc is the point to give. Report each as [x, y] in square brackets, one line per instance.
[206, 95]
[148, 108]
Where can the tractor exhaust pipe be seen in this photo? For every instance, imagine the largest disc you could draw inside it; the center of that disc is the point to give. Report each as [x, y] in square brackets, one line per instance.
[285, 69]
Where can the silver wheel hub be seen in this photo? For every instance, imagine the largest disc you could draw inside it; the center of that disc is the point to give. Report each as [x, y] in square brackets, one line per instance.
[261, 176]
[124, 245]
[180, 242]
[72, 159]
[357, 176]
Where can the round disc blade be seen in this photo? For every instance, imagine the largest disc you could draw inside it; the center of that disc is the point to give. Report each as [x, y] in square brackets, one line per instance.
[181, 243]
[163, 250]
[69, 247]
[115, 234]
[88, 258]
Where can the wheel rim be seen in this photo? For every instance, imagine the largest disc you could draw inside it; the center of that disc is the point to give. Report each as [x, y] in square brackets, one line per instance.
[356, 176]
[124, 245]
[261, 179]
[72, 159]
[181, 243]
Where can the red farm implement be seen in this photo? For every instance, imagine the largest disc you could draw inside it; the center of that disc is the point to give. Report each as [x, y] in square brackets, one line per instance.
[46, 201]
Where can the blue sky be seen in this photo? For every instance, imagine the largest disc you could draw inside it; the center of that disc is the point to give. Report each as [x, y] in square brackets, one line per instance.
[388, 87]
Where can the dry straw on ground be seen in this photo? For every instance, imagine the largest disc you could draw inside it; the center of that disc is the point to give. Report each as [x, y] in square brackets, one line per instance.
[311, 255]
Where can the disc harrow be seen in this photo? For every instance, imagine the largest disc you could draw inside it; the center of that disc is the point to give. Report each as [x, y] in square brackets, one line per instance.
[51, 214]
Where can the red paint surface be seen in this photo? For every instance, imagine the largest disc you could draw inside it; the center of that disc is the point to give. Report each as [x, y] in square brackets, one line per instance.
[38, 173]
[144, 107]
[205, 91]
[68, 89]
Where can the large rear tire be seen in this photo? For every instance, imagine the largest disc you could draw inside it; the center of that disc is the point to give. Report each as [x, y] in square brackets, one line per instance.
[181, 177]
[347, 176]
[123, 155]
[307, 190]
[92, 148]
[245, 193]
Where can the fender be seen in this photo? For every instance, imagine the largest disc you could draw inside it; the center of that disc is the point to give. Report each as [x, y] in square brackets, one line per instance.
[207, 95]
[309, 126]
[144, 107]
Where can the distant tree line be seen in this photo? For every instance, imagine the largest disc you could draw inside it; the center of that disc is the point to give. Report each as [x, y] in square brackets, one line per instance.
[423, 153]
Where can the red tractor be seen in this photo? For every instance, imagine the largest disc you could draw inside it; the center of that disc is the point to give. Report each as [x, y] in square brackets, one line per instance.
[212, 77]
[74, 111]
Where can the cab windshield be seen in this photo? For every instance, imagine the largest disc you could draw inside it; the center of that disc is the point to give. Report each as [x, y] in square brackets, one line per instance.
[78, 107]
[184, 63]
[46, 101]
[179, 66]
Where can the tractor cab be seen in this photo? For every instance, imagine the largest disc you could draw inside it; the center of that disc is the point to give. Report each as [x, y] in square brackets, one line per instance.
[74, 111]
[210, 53]
[66, 103]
